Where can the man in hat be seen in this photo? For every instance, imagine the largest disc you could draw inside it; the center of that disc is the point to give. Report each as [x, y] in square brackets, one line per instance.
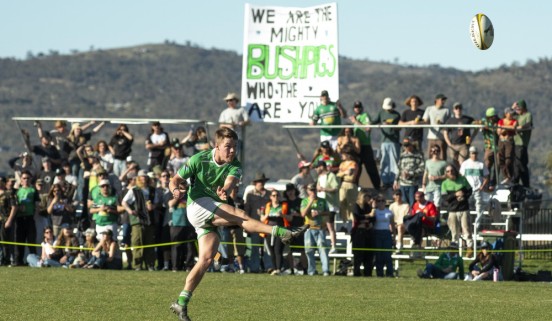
[506, 132]
[521, 140]
[255, 202]
[390, 145]
[478, 176]
[216, 174]
[413, 116]
[449, 266]
[328, 113]
[458, 139]
[314, 209]
[104, 209]
[411, 169]
[360, 117]
[141, 204]
[59, 137]
[303, 178]
[435, 115]
[235, 118]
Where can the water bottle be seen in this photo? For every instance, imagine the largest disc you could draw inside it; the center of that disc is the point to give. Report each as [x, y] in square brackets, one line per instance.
[495, 275]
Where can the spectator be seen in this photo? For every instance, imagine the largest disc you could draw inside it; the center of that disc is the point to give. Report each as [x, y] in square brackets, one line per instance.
[399, 210]
[85, 253]
[390, 147]
[362, 235]
[124, 220]
[413, 116]
[68, 244]
[458, 139]
[254, 203]
[47, 175]
[77, 138]
[181, 231]
[521, 141]
[68, 189]
[120, 146]
[456, 191]
[235, 118]
[349, 171]
[59, 138]
[106, 255]
[449, 266]
[313, 209]
[163, 231]
[506, 132]
[327, 187]
[383, 236]
[327, 154]
[436, 115]
[60, 209]
[477, 175]
[410, 171]
[105, 156]
[303, 178]
[41, 216]
[364, 135]
[26, 164]
[276, 213]
[490, 139]
[8, 210]
[50, 256]
[45, 149]
[346, 140]
[423, 217]
[329, 114]
[140, 203]
[297, 244]
[482, 267]
[177, 158]
[25, 228]
[105, 209]
[198, 140]
[434, 174]
[157, 143]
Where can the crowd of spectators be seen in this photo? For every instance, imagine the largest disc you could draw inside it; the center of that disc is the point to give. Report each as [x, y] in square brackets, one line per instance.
[85, 203]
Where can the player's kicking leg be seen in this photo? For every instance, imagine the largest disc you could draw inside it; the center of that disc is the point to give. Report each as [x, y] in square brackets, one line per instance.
[227, 215]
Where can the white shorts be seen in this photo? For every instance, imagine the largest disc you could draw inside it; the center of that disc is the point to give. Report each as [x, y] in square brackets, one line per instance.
[201, 213]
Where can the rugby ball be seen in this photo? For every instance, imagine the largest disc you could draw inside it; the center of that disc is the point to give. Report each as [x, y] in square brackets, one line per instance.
[481, 31]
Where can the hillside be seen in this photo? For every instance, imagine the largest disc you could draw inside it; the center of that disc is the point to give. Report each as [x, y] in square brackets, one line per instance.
[184, 81]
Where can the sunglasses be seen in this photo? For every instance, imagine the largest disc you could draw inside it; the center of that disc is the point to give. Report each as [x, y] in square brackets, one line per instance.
[273, 195]
[104, 186]
[25, 177]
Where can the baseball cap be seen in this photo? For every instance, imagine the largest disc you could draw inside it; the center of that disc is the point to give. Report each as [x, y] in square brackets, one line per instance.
[457, 105]
[440, 96]
[142, 173]
[325, 144]
[59, 172]
[290, 187]
[311, 186]
[321, 163]
[324, 93]
[104, 182]
[473, 149]
[521, 103]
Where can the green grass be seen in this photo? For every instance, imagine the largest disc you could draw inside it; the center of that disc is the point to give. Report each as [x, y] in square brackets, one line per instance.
[49, 294]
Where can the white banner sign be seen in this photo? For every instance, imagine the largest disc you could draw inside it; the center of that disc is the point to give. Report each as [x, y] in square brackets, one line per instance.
[290, 55]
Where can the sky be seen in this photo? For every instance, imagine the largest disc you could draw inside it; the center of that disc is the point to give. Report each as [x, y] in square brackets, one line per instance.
[420, 33]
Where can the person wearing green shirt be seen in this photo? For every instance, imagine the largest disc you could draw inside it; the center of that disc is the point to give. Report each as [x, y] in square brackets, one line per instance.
[104, 210]
[359, 117]
[328, 113]
[25, 227]
[449, 266]
[215, 174]
[521, 141]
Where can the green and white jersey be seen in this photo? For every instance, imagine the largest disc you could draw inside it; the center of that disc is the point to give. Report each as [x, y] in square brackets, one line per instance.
[207, 175]
[328, 115]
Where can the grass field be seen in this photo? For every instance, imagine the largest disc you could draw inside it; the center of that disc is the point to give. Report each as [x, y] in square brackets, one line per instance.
[50, 294]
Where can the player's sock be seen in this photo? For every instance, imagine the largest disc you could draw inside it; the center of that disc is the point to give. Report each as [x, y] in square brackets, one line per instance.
[278, 231]
[184, 297]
